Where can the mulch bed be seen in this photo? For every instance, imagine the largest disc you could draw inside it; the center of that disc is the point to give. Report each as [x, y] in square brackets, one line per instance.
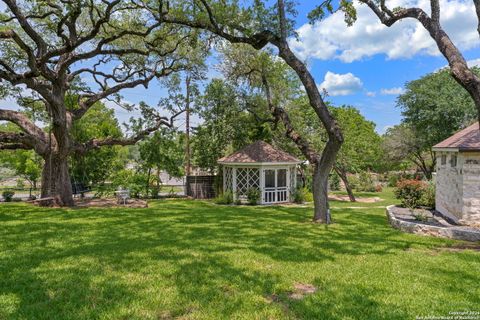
[347, 199]
[406, 214]
[109, 203]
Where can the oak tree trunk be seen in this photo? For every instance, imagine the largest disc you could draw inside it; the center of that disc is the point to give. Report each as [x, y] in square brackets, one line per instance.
[56, 180]
[343, 175]
[320, 195]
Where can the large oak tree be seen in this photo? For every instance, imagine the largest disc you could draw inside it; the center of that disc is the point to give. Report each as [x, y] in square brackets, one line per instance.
[47, 47]
[261, 26]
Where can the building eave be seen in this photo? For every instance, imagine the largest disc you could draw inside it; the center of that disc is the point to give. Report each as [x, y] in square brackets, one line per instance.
[259, 164]
[437, 149]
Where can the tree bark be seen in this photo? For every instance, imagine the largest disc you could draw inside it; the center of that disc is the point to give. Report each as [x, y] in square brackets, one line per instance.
[343, 175]
[458, 65]
[147, 186]
[56, 180]
[320, 195]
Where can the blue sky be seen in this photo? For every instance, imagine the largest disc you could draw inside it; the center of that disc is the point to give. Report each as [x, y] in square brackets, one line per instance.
[366, 65]
[374, 62]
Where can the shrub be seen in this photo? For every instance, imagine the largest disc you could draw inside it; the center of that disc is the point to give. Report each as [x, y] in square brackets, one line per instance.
[393, 180]
[365, 182]
[378, 188]
[428, 197]
[334, 182]
[155, 192]
[253, 196]
[20, 184]
[225, 198]
[8, 195]
[420, 217]
[353, 181]
[131, 180]
[16, 199]
[298, 196]
[238, 202]
[410, 192]
[308, 196]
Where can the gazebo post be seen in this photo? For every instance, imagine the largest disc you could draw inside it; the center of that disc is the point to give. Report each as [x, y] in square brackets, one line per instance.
[234, 183]
[261, 184]
[289, 192]
[224, 178]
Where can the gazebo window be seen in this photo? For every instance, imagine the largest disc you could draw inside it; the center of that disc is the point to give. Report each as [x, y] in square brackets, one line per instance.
[269, 178]
[282, 178]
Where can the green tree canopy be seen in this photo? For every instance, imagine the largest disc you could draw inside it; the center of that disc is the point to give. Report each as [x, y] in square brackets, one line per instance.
[96, 165]
[227, 125]
[436, 106]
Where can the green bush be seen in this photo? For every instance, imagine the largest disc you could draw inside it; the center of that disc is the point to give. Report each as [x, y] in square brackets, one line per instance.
[420, 217]
[20, 184]
[155, 192]
[225, 198]
[308, 196]
[253, 196]
[365, 182]
[8, 195]
[131, 180]
[238, 202]
[428, 197]
[354, 181]
[410, 192]
[392, 180]
[298, 196]
[334, 182]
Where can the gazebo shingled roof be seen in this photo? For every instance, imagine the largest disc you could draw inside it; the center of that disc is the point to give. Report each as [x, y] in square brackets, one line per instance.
[467, 139]
[259, 152]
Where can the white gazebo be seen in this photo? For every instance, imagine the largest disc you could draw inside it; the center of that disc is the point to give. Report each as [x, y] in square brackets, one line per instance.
[261, 166]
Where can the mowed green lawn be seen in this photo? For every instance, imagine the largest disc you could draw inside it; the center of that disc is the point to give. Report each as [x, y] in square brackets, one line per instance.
[187, 259]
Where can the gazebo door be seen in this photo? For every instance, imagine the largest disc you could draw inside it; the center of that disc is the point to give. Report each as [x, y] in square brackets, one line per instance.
[275, 185]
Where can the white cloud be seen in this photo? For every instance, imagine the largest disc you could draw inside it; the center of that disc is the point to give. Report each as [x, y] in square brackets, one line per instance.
[371, 93]
[473, 63]
[341, 84]
[392, 91]
[331, 38]
[385, 129]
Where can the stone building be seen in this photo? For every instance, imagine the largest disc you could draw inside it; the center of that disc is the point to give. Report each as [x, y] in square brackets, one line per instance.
[458, 176]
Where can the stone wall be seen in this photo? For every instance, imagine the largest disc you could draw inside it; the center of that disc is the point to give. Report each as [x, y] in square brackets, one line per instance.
[452, 232]
[458, 187]
[471, 188]
[449, 186]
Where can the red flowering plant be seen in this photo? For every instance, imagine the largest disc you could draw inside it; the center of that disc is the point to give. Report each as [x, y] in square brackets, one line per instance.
[410, 192]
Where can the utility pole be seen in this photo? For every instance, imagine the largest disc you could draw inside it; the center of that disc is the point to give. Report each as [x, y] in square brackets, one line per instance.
[187, 125]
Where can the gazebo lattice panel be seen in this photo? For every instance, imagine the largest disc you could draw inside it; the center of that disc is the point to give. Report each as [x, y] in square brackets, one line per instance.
[247, 178]
[293, 179]
[228, 183]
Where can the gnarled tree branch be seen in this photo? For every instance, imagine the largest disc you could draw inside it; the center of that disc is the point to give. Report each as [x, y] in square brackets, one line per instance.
[458, 65]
